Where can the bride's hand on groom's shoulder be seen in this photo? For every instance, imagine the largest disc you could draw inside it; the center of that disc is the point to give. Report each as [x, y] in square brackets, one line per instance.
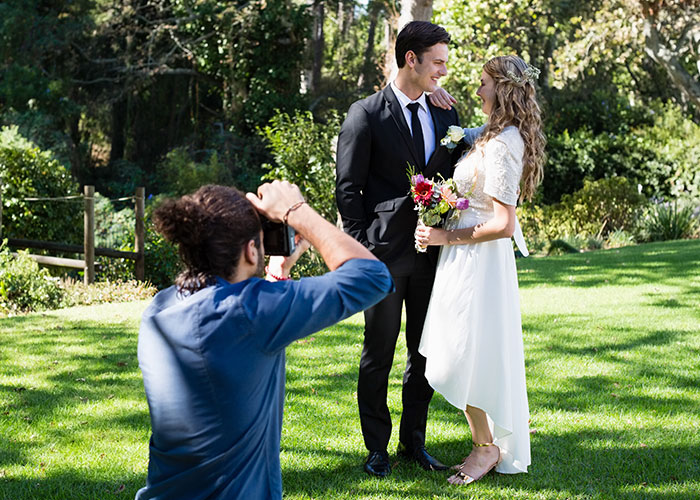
[442, 99]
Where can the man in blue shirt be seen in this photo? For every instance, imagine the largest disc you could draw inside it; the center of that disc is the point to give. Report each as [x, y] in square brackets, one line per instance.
[212, 347]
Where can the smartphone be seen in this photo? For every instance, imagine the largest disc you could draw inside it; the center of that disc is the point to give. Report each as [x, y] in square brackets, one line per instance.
[278, 238]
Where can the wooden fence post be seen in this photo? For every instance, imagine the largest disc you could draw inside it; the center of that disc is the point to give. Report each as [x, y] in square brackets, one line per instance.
[89, 235]
[140, 234]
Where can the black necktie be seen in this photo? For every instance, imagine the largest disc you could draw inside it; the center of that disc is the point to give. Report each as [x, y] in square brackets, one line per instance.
[417, 133]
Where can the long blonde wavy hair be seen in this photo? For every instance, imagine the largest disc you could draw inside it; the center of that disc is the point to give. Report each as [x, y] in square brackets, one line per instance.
[516, 104]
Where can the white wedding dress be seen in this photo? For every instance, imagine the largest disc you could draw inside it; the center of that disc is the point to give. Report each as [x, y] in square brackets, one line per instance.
[472, 338]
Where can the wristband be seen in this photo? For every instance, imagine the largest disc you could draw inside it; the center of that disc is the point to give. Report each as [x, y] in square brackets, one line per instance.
[278, 278]
[291, 209]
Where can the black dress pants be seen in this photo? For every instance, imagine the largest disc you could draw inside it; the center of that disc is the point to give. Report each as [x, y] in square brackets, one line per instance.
[382, 327]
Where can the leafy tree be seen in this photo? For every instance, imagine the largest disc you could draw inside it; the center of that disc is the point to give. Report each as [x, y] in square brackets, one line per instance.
[622, 37]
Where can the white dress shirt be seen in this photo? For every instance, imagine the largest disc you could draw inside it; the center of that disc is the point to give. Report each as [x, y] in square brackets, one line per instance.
[426, 122]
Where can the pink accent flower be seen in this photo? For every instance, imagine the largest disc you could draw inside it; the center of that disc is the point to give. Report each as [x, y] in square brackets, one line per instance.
[449, 196]
[417, 178]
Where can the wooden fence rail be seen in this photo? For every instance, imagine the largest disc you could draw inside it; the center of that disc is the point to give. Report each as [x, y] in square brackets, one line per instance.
[88, 249]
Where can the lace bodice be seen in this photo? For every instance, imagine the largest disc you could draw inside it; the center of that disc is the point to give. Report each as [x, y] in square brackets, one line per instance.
[491, 171]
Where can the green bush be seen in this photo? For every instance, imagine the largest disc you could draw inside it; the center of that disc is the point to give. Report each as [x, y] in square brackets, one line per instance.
[121, 178]
[28, 172]
[575, 156]
[601, 206]
[675, 138]
[114, 228]
[43, 129]
[655, 146]
[303, 153]
[162, 260]
[668, 221]
[162, 263]
[179, 174]
[583, 219]
[242, 155]
[24, 286]
[534, 220]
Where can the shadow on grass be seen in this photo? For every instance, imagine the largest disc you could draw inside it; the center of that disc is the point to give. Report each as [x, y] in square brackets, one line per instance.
[564, 465]
[70, 484]
[55, 370]
[657, 356]
[653, 262]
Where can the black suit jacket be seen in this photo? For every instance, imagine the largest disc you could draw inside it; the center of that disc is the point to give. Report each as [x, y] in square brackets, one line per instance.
[372, 187]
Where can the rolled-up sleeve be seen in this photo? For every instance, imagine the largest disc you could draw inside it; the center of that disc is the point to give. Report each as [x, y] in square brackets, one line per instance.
[283, 312]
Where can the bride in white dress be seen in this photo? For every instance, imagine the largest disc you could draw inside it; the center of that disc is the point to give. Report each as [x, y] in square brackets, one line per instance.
[472, 338]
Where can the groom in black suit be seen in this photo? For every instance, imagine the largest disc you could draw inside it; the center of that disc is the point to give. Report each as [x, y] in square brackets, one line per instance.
[380, 137]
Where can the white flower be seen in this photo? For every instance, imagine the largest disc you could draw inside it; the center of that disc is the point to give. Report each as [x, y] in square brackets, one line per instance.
[454, 134]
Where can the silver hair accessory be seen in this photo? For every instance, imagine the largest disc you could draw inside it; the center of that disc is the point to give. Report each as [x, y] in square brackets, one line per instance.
[531, 74]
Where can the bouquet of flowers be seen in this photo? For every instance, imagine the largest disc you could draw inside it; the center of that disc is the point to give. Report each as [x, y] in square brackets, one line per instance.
[435, 201]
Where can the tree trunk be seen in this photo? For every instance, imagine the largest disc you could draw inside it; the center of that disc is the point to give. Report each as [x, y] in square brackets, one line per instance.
[76, 158]
[345, 19]
[411, 10]
[415, 10]
[389, 70]
[317, 44]
[116, 151]
[368, 74]
[658, 51]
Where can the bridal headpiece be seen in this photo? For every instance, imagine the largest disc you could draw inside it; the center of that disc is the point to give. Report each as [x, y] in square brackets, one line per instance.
[531, 74]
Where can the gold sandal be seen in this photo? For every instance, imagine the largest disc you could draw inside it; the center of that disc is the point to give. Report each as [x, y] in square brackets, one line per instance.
[466, 478]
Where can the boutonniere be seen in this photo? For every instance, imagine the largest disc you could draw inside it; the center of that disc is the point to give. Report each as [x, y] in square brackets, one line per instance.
[455, 134]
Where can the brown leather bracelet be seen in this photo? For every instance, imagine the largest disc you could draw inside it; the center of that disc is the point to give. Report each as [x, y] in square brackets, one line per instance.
[291, 209]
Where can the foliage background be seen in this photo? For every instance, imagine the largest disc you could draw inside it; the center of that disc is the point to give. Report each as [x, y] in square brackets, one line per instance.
[173, 94]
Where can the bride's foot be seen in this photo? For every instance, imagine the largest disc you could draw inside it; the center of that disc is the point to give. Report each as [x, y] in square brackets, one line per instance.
[482, 459]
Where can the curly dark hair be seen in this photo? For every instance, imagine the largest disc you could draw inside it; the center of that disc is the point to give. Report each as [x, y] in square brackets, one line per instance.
[211, 228]
[418, 36]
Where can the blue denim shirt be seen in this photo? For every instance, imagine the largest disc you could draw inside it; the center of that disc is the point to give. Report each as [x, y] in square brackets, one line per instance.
[213, 367]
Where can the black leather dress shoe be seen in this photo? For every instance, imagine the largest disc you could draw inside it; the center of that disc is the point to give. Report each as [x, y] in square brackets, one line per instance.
[421, 457]
[377, 464]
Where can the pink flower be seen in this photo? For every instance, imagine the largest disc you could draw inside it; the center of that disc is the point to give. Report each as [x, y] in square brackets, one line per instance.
[415, 179]
[449, 196]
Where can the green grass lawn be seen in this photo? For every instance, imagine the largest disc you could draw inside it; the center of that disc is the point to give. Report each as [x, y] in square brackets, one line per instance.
[612, 341]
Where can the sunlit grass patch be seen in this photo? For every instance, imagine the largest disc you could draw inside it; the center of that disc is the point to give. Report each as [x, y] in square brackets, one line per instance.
[612, 351]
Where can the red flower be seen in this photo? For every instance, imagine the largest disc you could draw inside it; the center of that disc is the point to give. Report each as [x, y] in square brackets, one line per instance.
[423, 192]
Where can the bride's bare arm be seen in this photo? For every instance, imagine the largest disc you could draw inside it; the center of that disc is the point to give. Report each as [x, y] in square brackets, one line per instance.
[442, 99]
[500, 226]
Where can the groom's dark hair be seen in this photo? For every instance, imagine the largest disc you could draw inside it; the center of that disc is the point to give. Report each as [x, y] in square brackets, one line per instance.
[418, 36]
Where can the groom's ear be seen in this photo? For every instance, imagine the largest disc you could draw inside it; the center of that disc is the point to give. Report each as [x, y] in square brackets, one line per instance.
[411, 58]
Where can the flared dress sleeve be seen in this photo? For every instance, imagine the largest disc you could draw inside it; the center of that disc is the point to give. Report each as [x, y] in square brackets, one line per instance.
[504, 167]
